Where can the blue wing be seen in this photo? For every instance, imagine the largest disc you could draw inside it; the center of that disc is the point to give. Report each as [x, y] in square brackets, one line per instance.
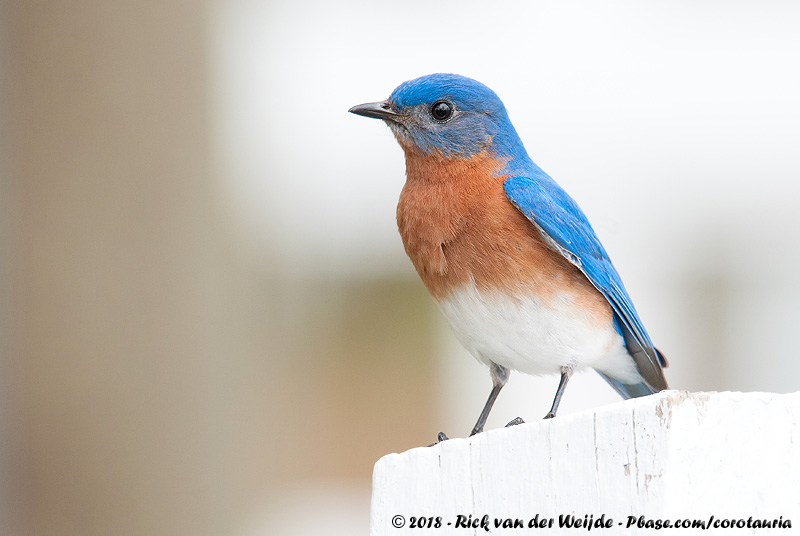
[565, 228]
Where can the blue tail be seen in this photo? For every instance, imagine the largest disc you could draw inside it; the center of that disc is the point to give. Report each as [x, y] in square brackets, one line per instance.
[626, 390]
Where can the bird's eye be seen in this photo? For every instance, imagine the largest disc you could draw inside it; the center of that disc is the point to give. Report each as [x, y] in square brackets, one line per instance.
[441, 110]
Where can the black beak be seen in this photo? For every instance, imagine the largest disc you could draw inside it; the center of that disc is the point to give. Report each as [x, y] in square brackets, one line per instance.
[378, 110]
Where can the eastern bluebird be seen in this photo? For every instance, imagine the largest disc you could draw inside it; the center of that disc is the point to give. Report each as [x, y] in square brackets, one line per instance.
[506, 253]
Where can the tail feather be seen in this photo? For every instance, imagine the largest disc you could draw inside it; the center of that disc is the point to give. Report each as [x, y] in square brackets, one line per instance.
[649, 361]
[627, 390]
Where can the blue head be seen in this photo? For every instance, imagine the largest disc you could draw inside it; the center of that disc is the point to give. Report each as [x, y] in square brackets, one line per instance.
[448, 114]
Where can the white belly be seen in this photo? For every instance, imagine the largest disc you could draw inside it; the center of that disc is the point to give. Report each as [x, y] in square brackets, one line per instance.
[527, 335]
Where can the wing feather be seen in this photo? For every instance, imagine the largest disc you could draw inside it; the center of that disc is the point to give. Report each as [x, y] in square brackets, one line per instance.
[566, 229]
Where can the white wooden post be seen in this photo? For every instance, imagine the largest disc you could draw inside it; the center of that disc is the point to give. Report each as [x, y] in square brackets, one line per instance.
[672, 457]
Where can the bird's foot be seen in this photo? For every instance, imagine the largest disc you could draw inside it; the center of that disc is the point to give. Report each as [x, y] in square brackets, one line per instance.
[439, 438]
[515, 422]
[550, 415]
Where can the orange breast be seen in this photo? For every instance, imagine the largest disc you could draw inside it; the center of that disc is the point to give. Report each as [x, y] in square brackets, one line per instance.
[457, 224]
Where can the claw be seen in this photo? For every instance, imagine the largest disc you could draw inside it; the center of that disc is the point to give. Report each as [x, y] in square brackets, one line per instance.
[515, 422]
[439, 438]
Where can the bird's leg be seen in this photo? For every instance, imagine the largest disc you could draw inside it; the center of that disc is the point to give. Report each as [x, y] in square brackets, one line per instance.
[566, 373]
[499, 379]
[478, 428]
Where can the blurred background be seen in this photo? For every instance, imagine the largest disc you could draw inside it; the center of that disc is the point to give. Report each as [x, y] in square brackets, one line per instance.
[208, 324]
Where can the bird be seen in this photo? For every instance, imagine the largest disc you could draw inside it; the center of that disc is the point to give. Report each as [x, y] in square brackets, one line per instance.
[508, 256]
